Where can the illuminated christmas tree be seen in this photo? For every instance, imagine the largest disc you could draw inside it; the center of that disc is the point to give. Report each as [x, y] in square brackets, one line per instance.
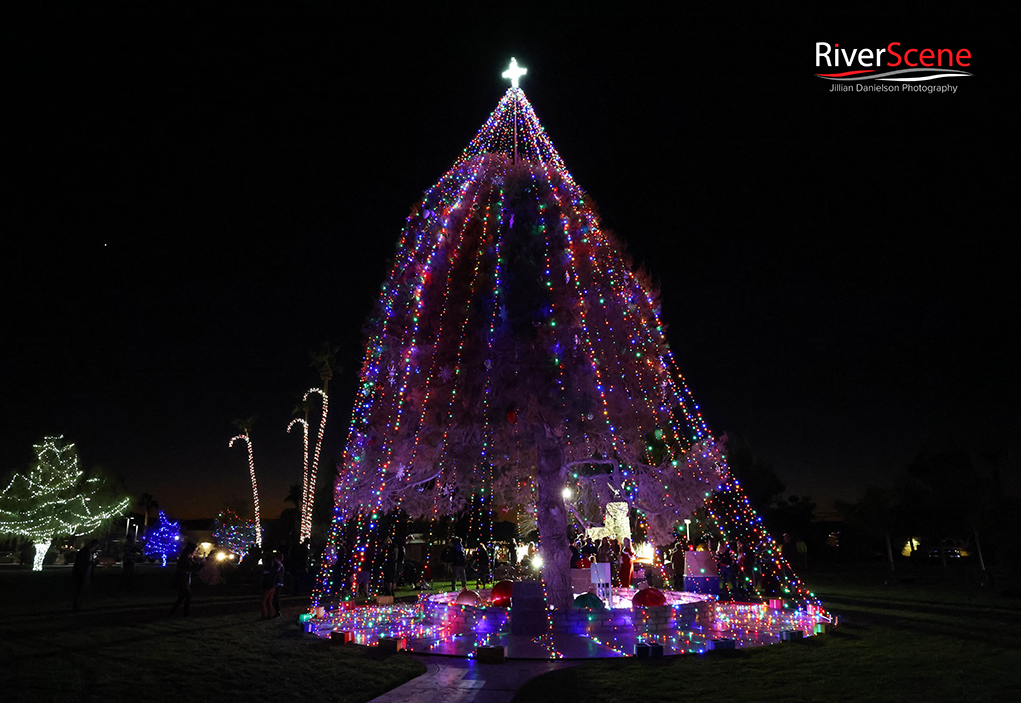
[55, 499]
[514, 352]
[234, 533]
[164, 540]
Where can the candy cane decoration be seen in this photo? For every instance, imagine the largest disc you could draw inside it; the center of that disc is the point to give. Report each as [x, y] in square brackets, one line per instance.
[255, 489]
[306, 525]
[304, 475]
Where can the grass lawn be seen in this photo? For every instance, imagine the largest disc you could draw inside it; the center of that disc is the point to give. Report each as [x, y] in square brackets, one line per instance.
[123, 647]
[929, 635]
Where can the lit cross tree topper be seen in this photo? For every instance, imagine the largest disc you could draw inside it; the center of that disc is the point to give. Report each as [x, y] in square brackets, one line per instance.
[55, 499]
[514, 72]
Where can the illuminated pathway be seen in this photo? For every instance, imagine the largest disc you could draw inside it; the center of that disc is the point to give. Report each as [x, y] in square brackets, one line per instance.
[461, 680]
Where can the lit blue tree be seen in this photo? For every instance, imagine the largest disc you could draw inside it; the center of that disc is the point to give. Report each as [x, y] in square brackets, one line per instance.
[164, 539]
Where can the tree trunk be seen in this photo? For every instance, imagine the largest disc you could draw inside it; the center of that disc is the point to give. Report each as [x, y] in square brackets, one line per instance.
[41, 549]
[978, 547]
[889, 552]
[551, 519]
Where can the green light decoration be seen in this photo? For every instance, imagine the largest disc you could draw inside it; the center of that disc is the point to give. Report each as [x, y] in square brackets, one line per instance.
[55, 499]
[514, 351]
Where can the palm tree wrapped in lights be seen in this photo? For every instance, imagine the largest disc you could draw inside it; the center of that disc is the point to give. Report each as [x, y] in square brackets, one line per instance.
[324, 361]
[246, 428]
[303, 421]
[308, 494]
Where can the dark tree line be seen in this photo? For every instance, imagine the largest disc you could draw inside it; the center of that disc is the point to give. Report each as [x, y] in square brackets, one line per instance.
[943, 503]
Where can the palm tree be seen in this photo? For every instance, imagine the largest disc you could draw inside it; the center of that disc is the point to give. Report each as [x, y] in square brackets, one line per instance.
[148, 503]
[302, 407]
[294, 494]
[324, 360]
[245, 426]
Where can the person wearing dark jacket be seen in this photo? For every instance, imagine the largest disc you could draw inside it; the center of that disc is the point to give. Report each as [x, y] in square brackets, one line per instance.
[82, 573]
[458, 563]
[187, 564]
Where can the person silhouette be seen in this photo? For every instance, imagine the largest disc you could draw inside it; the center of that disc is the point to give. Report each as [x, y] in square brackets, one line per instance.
[187, 564]
[84, 562]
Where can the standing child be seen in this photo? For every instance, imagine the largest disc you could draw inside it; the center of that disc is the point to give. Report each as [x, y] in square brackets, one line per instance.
[458, 563]
[270, 566]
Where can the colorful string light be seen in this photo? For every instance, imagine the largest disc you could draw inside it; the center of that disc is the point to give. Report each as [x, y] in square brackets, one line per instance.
[511, 320]
[233, 533]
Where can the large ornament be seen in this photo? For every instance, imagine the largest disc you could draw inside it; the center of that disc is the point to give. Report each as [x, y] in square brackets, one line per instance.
[648, 598]
[467, 597]
[501, 594]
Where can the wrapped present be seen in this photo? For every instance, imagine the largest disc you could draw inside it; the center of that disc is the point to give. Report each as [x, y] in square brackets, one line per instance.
[722, 643]
[648, 650]
[493, 654]
[392, 645]
[791, 635]
[341, 637]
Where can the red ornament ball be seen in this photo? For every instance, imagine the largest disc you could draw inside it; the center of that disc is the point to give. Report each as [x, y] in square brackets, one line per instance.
[648, 598]
[501, 593]
[467, 597]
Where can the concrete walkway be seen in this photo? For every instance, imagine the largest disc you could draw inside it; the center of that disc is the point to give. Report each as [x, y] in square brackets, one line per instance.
[456, 680]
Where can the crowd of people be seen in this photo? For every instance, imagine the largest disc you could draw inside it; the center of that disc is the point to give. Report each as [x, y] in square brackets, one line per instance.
[619, 554]
[269, 570]
[265, 569]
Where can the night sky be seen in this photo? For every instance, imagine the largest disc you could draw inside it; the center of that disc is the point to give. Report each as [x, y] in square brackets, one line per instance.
[194, 201]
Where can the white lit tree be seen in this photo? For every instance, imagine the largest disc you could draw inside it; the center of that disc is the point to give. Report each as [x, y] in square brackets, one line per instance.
[55, 499]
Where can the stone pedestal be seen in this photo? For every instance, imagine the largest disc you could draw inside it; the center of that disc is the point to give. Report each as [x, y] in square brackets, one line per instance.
[528, 609]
